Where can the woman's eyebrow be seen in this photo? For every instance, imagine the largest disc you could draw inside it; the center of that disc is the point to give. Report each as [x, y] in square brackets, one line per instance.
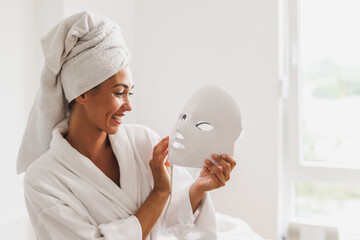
[124, 85]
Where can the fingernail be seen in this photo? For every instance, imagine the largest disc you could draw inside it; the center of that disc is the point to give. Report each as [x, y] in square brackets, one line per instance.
[207, 161]
[223, 155]
[214, 155]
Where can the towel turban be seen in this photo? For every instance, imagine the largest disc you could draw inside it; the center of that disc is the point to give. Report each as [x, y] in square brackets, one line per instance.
[80, 52]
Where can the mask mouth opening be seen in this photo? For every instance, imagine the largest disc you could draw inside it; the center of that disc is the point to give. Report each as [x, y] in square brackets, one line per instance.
[178, 145]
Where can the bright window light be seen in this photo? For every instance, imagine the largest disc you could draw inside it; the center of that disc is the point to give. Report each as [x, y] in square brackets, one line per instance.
[330, 81]
[333, 204]
[322, 131]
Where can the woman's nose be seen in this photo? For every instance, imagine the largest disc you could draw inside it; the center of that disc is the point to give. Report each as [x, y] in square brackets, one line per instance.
[128, 105]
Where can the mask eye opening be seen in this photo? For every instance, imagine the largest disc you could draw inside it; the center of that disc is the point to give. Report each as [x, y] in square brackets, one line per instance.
[204, 126]
[183, 117]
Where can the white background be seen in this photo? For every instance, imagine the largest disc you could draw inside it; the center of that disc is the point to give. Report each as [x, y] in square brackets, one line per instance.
[176, 46]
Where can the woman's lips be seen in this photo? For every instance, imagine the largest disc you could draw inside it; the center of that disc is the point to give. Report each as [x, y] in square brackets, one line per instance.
[117, 121]
[117, 118]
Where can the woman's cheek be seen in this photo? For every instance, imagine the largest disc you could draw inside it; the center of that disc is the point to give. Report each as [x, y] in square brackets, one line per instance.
[118, 103]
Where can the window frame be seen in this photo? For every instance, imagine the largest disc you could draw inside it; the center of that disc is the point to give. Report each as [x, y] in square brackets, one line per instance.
[294, 169]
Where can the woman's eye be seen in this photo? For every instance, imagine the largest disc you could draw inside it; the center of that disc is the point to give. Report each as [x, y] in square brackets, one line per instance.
[120, 93]
[123, 93]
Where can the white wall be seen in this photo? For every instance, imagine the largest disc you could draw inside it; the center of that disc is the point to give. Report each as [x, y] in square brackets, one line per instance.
[20, 66]
[11, 105]
[121, 11]
[178, 46]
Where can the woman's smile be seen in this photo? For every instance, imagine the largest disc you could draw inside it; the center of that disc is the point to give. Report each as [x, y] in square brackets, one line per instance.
[117, 118]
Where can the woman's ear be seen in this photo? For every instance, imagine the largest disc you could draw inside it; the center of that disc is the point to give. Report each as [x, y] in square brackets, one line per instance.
[81, 99]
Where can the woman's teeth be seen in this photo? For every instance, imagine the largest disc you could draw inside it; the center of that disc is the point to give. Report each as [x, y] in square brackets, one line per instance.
[118, 117]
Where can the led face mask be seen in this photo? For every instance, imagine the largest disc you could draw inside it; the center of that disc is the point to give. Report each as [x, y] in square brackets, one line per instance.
[209, 123]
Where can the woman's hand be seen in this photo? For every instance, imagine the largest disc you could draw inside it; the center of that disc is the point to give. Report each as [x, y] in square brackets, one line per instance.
[153, 206]
[160, 167]
[211, 176]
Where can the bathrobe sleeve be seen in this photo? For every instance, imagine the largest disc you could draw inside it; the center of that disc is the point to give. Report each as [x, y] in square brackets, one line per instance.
[55, 214]
[180, 221]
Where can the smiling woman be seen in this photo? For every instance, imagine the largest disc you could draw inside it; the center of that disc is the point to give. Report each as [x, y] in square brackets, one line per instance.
[104, 105]
[97, 113]
[88, 176]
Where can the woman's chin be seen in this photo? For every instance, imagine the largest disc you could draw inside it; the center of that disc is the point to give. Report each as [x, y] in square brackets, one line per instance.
[113, 126]
[112, 130]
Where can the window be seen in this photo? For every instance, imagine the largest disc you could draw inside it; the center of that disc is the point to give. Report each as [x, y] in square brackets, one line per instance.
[322, 114]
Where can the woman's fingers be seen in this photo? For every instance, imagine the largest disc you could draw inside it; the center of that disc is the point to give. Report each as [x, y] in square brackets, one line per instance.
[217, 172]
[212, 175]
[226, 166]
[160, 147]
[167, 163]
[160, 167]
[163, 156]
[161, 142]
[229, 159]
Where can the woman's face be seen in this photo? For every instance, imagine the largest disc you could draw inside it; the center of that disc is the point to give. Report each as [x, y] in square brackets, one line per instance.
[106, 104]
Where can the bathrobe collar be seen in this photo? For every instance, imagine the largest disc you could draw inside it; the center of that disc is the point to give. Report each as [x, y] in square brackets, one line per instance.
[132, 192]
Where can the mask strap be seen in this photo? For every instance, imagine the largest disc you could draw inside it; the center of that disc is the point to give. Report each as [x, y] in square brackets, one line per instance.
[171, 191]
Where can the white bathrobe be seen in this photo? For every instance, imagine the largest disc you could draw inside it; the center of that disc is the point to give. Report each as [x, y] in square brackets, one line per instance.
[68, 197]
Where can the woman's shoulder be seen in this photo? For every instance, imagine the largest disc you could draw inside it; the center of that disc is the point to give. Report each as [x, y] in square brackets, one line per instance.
[41, 169]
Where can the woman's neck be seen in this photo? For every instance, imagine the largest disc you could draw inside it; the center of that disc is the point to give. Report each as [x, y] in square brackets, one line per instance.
[87, 138]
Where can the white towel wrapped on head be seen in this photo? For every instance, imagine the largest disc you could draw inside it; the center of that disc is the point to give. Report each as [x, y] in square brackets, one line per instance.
[80, 52]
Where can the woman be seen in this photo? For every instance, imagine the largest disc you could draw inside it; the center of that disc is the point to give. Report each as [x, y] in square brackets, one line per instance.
[88, 176]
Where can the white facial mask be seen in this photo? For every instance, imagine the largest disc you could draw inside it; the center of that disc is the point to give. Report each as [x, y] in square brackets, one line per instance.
[209, 123]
